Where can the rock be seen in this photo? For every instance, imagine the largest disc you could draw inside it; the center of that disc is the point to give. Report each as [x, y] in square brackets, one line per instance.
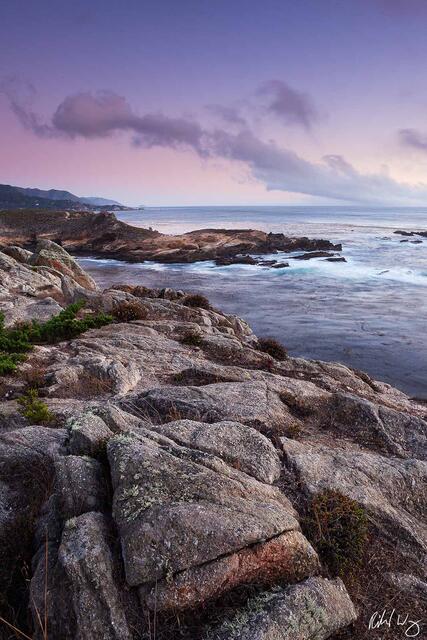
[225, 261]
[267, 263]
[19, 284]
[280, 265]
[39, 310]
[378, 427]
[312, 610]
[80, 486]
[393, 491]
[313, 254]
[265, 563]
[409, 584]
[116, 419]
[88, 435]
[17, 253]
[26, 473]
[50, 254]
[336, 259]
[103, 234]
[96, 601]
[241, 447]
[250, 403]
[178, 508]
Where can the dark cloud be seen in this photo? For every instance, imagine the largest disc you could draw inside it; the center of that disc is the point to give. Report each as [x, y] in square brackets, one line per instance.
[413, 138]
[104, 113]
[101, 115]
[291, 106]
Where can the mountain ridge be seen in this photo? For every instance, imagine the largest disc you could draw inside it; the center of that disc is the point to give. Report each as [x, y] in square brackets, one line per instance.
[29, 197]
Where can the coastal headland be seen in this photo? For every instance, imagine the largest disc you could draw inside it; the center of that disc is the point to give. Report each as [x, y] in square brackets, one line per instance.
[101, 234]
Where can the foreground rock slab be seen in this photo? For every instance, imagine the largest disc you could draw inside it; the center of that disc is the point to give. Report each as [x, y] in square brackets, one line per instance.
[178, 508]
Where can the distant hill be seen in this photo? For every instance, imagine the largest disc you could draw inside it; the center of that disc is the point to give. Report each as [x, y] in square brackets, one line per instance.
[12, 197]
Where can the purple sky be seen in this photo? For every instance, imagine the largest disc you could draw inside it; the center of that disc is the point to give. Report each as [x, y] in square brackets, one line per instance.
[224, 102]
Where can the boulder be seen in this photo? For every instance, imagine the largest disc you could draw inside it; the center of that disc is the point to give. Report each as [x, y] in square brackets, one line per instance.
[50, 254]
[392, 490]
[17, 253]
[312, 610]
[96, 598]
[80, 486]
[378, 427]
[250, 403]
[88, 435]
[241, 447]
[266, 563]
[178, 509]
[26, 474]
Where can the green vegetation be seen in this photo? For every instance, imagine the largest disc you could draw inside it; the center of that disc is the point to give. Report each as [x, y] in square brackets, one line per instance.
[128, 311]
[273, 347]
[337, 526]
[35, 410]
[196, 300]
[17, 341]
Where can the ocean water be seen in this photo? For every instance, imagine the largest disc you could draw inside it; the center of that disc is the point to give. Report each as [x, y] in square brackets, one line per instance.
[370, 312]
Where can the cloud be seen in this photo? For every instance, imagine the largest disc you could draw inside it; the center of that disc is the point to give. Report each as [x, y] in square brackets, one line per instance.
[230, 115]
[105, 113]
[291, 106]
[283, 170]
[20, 95]
[413, 138]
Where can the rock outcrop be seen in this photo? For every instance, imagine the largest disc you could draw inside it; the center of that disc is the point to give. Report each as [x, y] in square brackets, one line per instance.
[102, 234]
[173, 489]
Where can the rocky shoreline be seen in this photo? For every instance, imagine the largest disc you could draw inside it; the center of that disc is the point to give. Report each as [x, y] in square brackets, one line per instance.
[189, 479]
[102, 235]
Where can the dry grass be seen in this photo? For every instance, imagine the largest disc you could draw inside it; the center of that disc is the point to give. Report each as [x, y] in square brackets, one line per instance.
[129, 311]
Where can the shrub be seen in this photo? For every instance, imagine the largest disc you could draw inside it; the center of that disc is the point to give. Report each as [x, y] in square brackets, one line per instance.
[128, 311]
[273, 347]
[196, 300]
[192, 339]
[142, 292]
[8, 362]
[294, 431]
[17, 341]
[337, 526]
[35, 410]
[34, 376]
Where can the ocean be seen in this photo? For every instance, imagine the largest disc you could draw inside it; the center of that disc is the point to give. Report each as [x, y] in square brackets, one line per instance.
[369, 313]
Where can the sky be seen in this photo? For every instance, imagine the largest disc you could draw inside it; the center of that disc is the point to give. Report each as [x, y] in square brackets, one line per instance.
[168, 103]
